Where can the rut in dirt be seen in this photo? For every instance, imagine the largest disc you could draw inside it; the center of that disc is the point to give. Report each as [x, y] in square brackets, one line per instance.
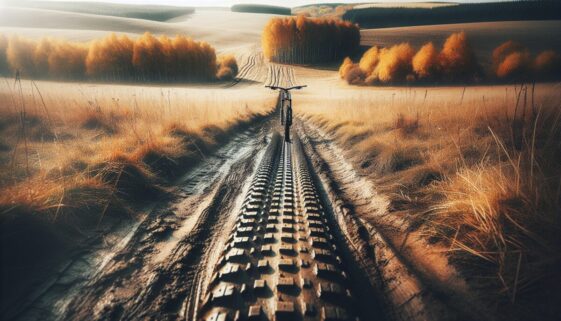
[284, 258]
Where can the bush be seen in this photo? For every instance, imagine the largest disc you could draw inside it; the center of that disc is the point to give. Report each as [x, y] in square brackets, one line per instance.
[548, 65]
[369, 60]
[425, 62]
[395, 63]
[227, 67]
[516, 65]
[355, 76]
[505, 49]
[345, 67]
[457, 60]
[512, 61]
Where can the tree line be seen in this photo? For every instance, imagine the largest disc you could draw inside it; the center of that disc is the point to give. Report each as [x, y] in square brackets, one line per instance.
[146, 58]
[304, 40]
[454, 62]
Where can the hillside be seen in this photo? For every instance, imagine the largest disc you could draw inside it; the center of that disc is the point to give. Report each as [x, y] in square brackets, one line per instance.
[254, 8]
[146, 12]
[384, 17]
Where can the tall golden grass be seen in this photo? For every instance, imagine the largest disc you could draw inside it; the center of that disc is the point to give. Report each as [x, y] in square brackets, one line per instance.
[474, 169]
[308, 40]
[146, 58]
[78, 154]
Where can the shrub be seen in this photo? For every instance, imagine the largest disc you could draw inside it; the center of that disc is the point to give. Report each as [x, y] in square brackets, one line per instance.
[355, 76]
[505, 49]
[516, 65]
[455, 62]
[395, 63]
[227, 67]
[425, 62]
[345, 67]
[512, 61]
[547, 65]
[369, 60]
[457, 59]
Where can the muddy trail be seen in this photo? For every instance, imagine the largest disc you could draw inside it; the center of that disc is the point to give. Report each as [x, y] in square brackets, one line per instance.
[262, 229]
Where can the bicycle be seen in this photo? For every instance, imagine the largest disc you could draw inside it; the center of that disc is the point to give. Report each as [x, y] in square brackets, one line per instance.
[286, 107]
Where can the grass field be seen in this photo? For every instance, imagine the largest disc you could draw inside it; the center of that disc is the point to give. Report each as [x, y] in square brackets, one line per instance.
[82, 136]
[473, 169]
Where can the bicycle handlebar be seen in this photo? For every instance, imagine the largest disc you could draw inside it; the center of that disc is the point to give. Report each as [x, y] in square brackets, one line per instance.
[286, 89]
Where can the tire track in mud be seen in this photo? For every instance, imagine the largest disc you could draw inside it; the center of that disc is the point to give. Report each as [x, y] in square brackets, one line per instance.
[296, 250]
[409, 292]
[245, 70]
[137, 282]
[280, 76]
[284, 259]
[252, 70]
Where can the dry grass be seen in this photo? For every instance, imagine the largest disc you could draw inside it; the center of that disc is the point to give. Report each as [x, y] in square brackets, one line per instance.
[73, 155]
[475, 169]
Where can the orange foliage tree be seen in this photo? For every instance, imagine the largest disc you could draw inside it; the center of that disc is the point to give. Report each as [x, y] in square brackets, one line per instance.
[400, 63]
[308, 40]
[512, 61]
[110, 58]
[116, 58]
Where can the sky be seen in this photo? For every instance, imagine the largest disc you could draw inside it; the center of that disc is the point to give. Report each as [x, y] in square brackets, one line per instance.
[284, 3]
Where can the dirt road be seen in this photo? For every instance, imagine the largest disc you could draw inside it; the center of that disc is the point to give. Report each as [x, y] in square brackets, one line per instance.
[260, 230]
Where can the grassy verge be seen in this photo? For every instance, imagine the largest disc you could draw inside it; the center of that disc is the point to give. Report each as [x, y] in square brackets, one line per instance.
[475, 170]
[73, 157]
